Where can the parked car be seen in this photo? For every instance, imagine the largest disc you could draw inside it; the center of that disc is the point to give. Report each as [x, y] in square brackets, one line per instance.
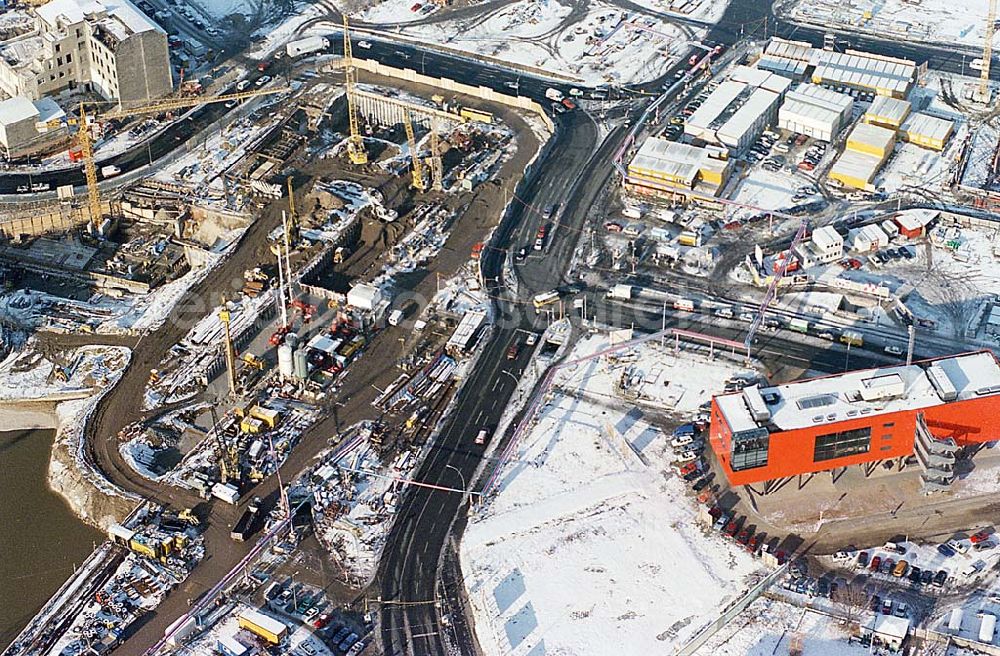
[915, 575]
[874, 603]
[875, 564]
[862, 560]
[887, 607]
[700, 485]
[945, 550]
[940, 578]
[926, 577]
[980, 536]
[887, 565]
[901, 609]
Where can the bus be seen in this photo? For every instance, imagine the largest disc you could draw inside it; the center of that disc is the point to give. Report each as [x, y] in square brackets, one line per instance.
[548, 298]
[470, 114]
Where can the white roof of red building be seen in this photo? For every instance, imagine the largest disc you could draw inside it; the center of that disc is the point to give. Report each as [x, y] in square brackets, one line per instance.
[828, 400]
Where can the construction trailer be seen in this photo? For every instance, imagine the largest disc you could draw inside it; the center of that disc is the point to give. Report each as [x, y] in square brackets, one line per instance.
[262, 625]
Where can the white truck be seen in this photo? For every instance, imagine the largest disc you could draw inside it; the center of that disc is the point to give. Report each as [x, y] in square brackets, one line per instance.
[110, 171]
[307, 46]
[227, 492]
[395, 317]
[623, 292]
[555, 95]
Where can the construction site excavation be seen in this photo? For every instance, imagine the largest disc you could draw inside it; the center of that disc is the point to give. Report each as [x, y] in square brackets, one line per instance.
[245, 350]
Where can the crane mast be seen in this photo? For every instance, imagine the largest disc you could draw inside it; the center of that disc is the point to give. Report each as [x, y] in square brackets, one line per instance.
[436, 173]
[355, 144]
[418, 168]
[984, 72]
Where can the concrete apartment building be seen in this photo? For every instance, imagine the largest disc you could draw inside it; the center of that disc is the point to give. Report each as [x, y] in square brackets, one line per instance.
[107, 46]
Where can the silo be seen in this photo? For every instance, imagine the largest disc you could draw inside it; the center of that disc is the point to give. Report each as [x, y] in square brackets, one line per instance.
[301, 364]
[286, 364]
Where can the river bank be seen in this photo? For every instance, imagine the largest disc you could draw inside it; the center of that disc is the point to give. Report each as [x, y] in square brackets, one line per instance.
[43, 538]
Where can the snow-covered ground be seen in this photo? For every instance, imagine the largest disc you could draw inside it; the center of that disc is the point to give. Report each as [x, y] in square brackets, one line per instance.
[129, 314]
[398, 11]
[300, 641]
[585, 549]
[953, 22]
[353, 518]
[27, 374]
[771, 627]
[607, 45]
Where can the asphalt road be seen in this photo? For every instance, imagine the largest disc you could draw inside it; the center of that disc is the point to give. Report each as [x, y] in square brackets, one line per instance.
[409, 570]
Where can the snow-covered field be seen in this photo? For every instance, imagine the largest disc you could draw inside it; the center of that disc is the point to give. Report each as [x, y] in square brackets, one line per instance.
[585, 549]
[953, 22]
[606, 45]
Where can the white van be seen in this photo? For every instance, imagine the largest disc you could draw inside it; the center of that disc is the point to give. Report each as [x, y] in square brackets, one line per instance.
[395, 317]
[481, 436]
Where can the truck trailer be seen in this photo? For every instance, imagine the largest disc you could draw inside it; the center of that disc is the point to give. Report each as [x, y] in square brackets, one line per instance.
[307, 46]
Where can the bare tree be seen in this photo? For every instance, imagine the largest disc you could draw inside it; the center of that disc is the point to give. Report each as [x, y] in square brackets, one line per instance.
[852, 600]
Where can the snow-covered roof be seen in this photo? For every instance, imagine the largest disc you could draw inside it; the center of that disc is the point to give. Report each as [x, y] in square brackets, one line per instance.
[793, 50]
[812, 104]
[756, 77]
[927, 126]
[363, 296]
[738, 101]
[872, 135]
[119, 16]
[670, 159]
[918, 218]
[827, 400]
[48, 110]
[890, 109]
[759, 103]
[865, 70]
[889, 626]
[17, 109]
[856, 165]
[826, 237]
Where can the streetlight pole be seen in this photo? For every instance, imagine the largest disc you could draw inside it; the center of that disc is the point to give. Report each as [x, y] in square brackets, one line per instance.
[460, 475]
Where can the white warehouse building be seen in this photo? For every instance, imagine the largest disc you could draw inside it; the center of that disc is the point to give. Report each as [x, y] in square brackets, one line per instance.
[739, 109]
[816, 112]
[825, 246]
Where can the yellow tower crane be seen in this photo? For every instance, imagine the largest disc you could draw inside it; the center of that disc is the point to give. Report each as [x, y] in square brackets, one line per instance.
[437, 175]
[355, 144]
[225, 317]
[418, 168]
[984, 72]
[84, 120]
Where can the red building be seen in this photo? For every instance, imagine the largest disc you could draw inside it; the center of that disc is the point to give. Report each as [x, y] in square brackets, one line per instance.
[928, 409]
